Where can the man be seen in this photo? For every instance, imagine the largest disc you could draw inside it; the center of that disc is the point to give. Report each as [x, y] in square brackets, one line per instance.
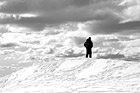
[88, 44]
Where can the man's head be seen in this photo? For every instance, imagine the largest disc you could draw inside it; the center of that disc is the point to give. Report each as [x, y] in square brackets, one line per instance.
[89, 38]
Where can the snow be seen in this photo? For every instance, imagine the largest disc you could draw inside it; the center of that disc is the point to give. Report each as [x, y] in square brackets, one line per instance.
[25, 73]
[94, 69]
[68, 64]
[75, 76]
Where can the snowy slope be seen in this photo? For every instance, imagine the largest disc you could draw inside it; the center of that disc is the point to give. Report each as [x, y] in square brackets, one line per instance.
[75, 76]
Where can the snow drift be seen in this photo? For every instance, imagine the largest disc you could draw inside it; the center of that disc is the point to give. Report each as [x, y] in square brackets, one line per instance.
[75, 76]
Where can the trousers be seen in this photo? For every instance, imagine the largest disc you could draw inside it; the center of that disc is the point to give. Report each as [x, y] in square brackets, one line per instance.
[88, 52]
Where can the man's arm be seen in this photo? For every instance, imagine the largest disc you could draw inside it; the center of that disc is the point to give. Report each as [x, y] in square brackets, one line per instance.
[85, 44]
[91, 44]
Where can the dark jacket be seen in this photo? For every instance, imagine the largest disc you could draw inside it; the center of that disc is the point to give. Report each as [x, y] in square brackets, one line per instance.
[88, 43]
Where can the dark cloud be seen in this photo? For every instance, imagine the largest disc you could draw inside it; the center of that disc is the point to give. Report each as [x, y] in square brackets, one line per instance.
[35, 24]
[33, 6]
[81, 2]
[60, 17]
[112, 25]
[8, 45]
[40, 6]
[15, 6]
[54, 12]
[105, 14]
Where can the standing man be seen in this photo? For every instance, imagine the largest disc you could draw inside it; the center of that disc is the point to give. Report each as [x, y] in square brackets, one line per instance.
[88, 44]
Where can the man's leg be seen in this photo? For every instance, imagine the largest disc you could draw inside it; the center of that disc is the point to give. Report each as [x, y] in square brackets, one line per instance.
[90, 53]
[86, 53]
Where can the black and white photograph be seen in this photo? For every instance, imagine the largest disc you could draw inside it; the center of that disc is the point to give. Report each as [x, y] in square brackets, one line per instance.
[69, 46]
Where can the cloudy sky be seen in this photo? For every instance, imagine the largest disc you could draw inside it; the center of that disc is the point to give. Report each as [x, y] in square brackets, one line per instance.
[31, 31]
